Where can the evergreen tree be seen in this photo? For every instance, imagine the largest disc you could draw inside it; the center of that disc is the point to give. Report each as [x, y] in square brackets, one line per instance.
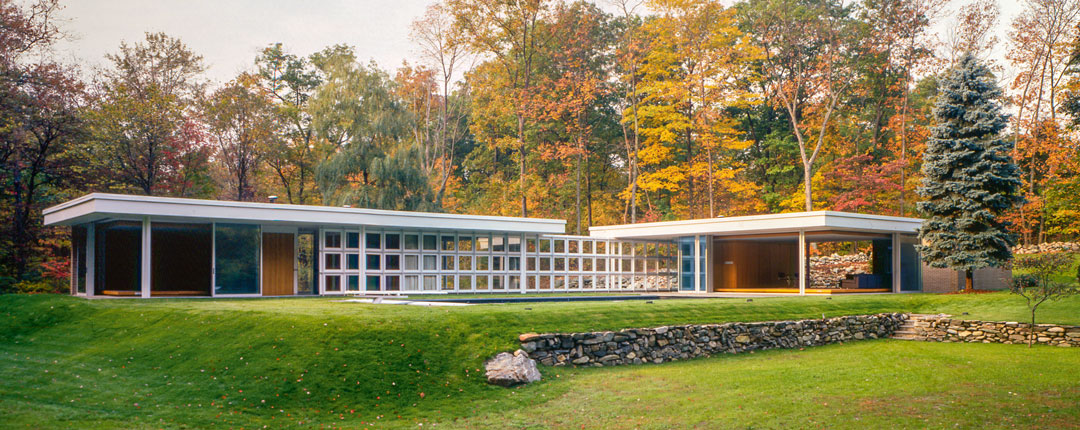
[970, 179]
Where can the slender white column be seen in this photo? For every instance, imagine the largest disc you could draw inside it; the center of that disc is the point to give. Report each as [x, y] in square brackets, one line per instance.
[697, 259]
[90, 263]
[896, 262]
[73, 268]
[804, 269]
[213, 259]
[363, 260]
[146, 266]
[708, 264]
[523, 264]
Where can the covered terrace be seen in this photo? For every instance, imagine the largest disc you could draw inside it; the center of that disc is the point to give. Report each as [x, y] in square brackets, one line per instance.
[822, 252]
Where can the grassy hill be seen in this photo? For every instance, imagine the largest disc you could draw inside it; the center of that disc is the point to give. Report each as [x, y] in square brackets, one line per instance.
[315, 362]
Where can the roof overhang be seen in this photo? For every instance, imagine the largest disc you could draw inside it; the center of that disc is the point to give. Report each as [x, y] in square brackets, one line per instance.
[100, 207]
[762, 224]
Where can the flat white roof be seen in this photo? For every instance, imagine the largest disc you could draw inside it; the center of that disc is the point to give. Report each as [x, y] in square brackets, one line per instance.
[101, 206]
[762, 224]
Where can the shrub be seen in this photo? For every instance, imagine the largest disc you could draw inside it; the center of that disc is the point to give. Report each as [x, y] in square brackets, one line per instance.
[1042, 284]
[42, 286]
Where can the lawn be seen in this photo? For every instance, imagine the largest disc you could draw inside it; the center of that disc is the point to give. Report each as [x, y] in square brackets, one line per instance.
[315, 362]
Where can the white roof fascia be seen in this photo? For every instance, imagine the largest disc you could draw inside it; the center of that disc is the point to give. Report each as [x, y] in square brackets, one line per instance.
[94, 207]
[762, 224]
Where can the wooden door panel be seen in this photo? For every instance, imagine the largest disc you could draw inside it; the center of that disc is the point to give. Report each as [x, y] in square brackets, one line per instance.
[277, 268]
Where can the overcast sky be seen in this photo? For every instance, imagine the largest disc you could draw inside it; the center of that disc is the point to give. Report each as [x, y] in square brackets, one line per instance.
[229, 33]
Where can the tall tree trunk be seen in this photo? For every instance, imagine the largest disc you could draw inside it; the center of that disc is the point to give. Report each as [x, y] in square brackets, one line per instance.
[444, 122]
[969, 280]
[806, 186]
[521, 167]
[634, 159]
[692, 205]
[19, 236]
[629, 174]
[712, 193]
[588, 187]
[577, 191]
[903, 147]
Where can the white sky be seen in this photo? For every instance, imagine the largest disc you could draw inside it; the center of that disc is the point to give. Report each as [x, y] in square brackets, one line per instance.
[230, 33]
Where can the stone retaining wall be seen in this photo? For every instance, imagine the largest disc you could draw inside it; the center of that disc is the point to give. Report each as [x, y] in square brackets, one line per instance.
[671, 343]
[944, 329]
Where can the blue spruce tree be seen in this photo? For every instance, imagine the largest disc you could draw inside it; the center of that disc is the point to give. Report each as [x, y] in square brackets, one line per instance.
[969, 177]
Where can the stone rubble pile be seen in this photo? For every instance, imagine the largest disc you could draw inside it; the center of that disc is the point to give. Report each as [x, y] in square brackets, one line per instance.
[1047, 247]
[672, 343]
[827, 271]
[944, 329]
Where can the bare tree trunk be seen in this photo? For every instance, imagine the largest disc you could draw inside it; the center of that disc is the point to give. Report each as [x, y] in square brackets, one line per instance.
[577, 192]
[634, 159]
[903, 145]
[588, 187]
[712, 193]
[629, 173]
[690, 174]
[806, 187]
[969, 280]
[1031, 328]
[521, 169]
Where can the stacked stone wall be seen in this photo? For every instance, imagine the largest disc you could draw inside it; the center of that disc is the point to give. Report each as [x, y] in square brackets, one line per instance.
[942, 329]
[681, 342]
[1048, 247]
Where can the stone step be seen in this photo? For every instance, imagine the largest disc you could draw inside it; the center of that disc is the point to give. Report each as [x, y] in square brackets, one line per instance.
[905, 337]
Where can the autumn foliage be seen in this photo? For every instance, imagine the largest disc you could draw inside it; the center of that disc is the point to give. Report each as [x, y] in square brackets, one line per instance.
[627, 111]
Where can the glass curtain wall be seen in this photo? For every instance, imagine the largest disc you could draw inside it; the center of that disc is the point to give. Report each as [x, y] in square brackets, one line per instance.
[686, 263]
[236, 255]
[78, 258]
[180, 259]
[910, 264]
[307, 265]
[118, 258]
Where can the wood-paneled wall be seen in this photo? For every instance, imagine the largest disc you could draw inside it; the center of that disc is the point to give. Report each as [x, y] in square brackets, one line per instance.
[749, 264]
[277, 268]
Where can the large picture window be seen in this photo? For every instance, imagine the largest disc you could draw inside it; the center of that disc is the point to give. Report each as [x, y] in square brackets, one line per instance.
[236, 254]
[180, 259]
[118, 258]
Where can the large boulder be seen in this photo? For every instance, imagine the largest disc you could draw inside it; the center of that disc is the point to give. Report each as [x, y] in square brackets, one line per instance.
[508, 369]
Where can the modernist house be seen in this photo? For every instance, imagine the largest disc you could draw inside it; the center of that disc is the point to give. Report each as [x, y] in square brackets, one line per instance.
[142, 246]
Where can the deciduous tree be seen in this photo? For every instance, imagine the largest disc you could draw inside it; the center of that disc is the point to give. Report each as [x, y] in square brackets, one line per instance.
[40, 129]
[507, 31]
[291, 81]
[243, 124]
[443, 47]
[142, 122]
[807, 67]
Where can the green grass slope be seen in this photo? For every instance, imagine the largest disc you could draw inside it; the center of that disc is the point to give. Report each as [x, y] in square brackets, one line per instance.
[318, 362]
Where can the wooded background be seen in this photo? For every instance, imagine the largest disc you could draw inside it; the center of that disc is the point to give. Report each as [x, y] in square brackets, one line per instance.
[667, 109]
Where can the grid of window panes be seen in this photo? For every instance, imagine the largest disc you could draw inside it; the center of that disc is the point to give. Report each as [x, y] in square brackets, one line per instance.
[419, 261]
[575, 263]
[339, 261]
[396, 261]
